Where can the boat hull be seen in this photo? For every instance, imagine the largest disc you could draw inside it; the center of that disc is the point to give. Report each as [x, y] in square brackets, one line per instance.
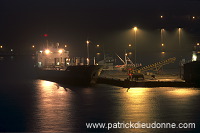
[83, 75]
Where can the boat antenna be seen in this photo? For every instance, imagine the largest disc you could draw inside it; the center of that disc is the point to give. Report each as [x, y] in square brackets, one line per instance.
[46, 35]
[121, 59]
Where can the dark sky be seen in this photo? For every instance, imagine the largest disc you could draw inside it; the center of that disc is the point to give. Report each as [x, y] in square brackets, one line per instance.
[22, 22]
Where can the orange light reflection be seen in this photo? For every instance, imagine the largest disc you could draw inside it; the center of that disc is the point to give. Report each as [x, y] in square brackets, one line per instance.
[183, 92]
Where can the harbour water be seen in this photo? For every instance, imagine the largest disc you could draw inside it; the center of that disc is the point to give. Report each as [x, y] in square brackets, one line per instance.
[32, 105]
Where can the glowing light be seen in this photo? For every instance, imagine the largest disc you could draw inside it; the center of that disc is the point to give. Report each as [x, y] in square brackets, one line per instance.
[162, 45]
[87, 42]
[130, 53]
[163, 52]
[193, 17]
[65, 46]
[45, 35]
[135, 28]
[98, 53]
[88, 61]
[161, 16]
[98, 45]
[33, 46]
[47, 51]
[60, 51]
[197, 44]
[129, 45]
[194, 56]
[1, 46]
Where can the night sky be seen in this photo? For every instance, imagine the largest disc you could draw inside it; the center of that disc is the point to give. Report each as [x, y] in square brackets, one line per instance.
[104, 22]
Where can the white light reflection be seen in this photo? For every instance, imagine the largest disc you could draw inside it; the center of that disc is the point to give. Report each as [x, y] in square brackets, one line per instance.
[53, 103]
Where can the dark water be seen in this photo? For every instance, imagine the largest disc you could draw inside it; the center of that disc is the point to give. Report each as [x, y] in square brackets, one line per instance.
[32, 105]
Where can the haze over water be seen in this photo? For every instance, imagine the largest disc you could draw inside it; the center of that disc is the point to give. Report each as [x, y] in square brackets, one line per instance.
[32, 105]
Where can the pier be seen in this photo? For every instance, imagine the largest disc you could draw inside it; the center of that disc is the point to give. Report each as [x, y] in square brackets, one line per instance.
[120, 78]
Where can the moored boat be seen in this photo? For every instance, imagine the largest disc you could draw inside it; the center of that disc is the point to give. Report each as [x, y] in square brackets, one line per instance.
[55, 65]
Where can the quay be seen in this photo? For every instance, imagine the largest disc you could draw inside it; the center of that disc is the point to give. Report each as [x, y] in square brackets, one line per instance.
[120, 78]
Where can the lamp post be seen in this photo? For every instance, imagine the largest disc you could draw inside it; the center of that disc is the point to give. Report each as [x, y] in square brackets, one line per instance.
[162, 36]
[135, 30]
[179, 37]
[88, 61]
[162, 39]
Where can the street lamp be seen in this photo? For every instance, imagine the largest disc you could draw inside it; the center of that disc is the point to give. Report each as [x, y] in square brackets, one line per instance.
[162, 35]
[179, 37]
[88, 61]
[135, 30]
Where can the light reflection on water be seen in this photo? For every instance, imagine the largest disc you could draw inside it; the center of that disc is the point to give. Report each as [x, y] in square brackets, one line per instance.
[50, 107]
[63, 109]
[53, 107]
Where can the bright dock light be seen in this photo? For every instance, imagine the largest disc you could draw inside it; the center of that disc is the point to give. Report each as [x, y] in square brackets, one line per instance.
[60, 51]
[88, 54]
[47, 51]
[135, 28]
